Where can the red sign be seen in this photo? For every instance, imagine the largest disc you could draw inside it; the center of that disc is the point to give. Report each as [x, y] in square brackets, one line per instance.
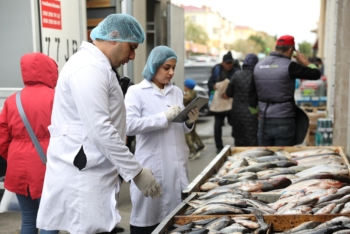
[51, 14]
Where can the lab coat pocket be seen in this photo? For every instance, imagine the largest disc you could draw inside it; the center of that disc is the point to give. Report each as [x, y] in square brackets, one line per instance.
[94, 156]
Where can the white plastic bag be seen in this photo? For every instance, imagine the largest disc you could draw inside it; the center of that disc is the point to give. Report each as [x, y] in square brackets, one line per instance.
[9, 202]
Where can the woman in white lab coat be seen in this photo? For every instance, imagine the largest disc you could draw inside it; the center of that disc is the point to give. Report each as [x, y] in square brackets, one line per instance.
[160, 143]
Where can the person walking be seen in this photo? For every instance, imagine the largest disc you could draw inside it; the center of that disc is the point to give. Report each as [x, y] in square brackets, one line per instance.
[161, 145]
[87, 148]
[273, 87]
[221, 105]
[193, 141]
[25, 169]
[244, 123]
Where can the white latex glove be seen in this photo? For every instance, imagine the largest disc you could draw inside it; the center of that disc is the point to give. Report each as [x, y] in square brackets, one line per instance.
[193, 115]
[146, 183]
[172, 112]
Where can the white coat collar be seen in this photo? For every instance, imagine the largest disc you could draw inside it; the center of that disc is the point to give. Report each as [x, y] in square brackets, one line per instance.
[96, 52]
[147, 84]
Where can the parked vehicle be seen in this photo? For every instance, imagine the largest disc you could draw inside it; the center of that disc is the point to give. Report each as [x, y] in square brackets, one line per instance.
[204, 111]
[200, 72]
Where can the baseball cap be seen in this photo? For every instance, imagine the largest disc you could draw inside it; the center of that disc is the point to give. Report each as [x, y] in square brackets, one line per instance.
[228, 58]
[285, 40]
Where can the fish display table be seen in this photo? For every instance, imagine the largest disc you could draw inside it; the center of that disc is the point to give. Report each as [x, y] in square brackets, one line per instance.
[331, 167]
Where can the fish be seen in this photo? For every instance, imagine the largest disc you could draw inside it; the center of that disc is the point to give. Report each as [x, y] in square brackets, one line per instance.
[271, 158]
[186, 227]
[260, 205]
[256, 152]
[227, 201]
[341, 220]
[217, 209]
[286, 163]
[299, 210]
[328, 198]
[341, 178]
[308, 152]
[264, 227]
[343, 199]
[309, 185]
[234, 228]
[332, 169]
[239, 163]
[283, 153]
[199, 231]
[209, 186]
[302, 227]
[247, 223]
[219, 223]
[278, 172]
[203, 222]
[337, 208]
[257, 167]
[327, 209]
[299, 168]
[217, 191]
[345, 210]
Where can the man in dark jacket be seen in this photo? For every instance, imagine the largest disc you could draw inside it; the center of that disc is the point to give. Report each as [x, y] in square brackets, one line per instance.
[220, 72]
[274, 86]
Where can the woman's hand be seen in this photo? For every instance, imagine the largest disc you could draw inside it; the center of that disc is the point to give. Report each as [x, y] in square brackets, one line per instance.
[193, 115]
[172, 112]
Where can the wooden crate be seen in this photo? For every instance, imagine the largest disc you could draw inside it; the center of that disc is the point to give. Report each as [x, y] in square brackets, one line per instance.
[278, 223]
[221, 158]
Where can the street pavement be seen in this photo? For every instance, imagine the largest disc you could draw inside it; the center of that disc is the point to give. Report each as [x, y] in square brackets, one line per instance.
[11, 222]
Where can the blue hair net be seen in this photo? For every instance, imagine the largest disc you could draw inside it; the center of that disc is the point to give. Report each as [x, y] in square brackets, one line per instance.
[190, 83]
[157, 57]
[119, 27]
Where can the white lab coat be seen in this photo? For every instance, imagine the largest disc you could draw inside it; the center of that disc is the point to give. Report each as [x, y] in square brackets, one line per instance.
[88, 112]
[160, 146]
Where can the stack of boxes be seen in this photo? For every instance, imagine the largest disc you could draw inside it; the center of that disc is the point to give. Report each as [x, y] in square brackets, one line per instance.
[313, 119]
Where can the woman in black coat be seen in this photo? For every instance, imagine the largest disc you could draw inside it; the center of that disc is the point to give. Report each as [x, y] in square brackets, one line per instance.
[244, 124]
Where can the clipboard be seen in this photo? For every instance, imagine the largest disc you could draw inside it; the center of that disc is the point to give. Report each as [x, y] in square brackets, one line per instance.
[198, 102]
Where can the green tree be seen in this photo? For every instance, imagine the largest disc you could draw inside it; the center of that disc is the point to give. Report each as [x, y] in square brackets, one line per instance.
[195, 33]
[305, 48]
[260, 42]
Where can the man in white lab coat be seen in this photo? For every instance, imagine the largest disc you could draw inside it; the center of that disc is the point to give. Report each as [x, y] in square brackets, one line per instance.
[87, 148]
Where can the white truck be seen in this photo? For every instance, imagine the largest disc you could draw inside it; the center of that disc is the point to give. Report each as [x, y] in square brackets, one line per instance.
[55, 28]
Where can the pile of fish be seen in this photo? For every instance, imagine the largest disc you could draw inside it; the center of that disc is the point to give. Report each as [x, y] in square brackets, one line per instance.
[224, 200]
[338, 225]
[263, 170]
[224, 224]
[318, 201]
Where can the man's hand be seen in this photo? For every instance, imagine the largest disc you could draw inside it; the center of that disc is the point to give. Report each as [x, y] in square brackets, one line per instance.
[224, 96]
[302, 59]
[146, 183]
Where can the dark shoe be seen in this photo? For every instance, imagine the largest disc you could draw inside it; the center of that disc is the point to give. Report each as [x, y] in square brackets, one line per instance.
[218, 150]
[119, 229]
